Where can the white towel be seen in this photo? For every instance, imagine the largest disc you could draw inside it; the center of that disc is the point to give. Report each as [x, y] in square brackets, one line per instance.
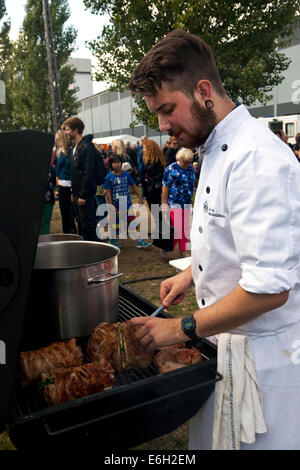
[238, 407]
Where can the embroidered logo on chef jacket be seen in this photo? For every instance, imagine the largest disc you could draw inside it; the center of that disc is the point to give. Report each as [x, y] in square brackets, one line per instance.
[212, 212]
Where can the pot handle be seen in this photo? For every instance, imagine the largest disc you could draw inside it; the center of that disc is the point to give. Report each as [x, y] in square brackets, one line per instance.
[94, 280]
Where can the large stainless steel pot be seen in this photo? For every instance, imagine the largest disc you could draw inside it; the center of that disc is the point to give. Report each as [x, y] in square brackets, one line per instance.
[75, 287]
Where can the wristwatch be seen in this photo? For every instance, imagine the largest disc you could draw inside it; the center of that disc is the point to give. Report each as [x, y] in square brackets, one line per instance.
[188, 325]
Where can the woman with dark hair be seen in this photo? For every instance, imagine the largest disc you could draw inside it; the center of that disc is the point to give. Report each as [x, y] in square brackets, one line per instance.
[152, 172]
[170, 153]
[296, 148]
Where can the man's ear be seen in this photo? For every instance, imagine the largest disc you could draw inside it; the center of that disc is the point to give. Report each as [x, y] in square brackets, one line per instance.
[203, 91]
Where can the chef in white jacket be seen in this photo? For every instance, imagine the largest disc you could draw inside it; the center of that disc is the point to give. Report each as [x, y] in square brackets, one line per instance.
[245, 252]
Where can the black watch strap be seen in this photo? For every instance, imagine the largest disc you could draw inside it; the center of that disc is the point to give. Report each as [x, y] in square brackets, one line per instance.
[188, 325]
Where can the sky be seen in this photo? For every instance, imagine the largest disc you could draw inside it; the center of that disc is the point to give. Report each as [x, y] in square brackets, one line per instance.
[88, 26]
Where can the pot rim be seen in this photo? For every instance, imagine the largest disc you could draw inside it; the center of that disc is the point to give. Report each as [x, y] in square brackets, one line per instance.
[65, 237]
[76, 243]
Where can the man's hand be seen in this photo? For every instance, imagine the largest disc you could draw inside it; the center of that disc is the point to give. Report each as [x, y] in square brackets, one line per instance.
[156, 332]
[172, 289]
[81, 202]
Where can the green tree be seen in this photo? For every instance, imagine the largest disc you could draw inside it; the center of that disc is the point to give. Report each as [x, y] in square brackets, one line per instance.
[5, 54]
[28, 68]
[246, 37]
[4, 36]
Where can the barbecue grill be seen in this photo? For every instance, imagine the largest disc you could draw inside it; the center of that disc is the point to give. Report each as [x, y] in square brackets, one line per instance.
[141, 406]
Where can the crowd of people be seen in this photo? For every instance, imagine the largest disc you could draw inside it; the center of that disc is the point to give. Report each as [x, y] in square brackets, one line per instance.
[294, 147]
[164, 176]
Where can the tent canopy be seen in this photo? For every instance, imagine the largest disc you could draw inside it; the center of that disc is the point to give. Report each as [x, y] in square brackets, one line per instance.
[108, 140]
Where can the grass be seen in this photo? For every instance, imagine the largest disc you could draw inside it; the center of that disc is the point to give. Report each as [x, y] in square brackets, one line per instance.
[5, 442]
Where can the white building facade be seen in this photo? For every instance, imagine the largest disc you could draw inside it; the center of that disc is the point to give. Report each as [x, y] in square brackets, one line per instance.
[286, 96]
[83, 77]
[110, 113]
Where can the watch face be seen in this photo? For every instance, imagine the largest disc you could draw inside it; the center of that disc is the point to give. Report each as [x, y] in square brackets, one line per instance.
[189, 323]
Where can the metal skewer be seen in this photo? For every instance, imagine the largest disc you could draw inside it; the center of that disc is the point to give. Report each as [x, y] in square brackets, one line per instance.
[157, 311]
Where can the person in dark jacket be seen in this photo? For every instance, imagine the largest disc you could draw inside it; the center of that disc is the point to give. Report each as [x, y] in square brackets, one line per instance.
[296, 147]
[49, 201]
[152, 173]
[131, 153]
[170, 154]
[165, 148]
[83, 177]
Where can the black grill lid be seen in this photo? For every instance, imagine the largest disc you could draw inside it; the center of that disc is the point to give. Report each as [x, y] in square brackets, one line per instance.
[24, 162]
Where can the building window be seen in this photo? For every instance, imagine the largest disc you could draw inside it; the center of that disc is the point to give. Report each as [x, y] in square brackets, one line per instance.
[290, 129]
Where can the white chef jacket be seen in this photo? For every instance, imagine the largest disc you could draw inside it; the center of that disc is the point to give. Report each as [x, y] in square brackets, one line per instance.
[246, 230]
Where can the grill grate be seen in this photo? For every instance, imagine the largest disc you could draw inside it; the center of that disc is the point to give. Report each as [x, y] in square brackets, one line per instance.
[28, 401]
[128, 310]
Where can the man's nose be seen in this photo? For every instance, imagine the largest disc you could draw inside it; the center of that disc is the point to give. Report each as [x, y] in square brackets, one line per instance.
[164, 124]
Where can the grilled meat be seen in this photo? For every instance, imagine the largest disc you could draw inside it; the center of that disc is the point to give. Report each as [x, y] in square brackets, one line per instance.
[172, 358]
[104, 343]
[173, 346]
[117, 343]
[56, 355]
[135, 355]
[63, 385]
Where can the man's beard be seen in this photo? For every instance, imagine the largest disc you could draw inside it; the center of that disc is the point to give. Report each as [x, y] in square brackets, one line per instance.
[204, 122]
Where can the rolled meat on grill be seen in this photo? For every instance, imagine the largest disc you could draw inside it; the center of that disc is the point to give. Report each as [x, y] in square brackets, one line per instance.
[117, 343]
[171, 358]
[56, 355]
[173, 346]
[135, 353]
[63, 385]
[104, 343]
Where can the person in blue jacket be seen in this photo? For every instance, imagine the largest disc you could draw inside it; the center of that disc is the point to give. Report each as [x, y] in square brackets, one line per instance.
[63, 181]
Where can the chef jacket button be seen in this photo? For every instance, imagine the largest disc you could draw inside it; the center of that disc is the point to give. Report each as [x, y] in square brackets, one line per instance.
[200, 267]
[200, 229]
[224, 147]
[208, 189]
[203, 302]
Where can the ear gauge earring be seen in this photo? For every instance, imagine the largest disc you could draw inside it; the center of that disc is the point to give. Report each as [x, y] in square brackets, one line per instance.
[209, 104]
